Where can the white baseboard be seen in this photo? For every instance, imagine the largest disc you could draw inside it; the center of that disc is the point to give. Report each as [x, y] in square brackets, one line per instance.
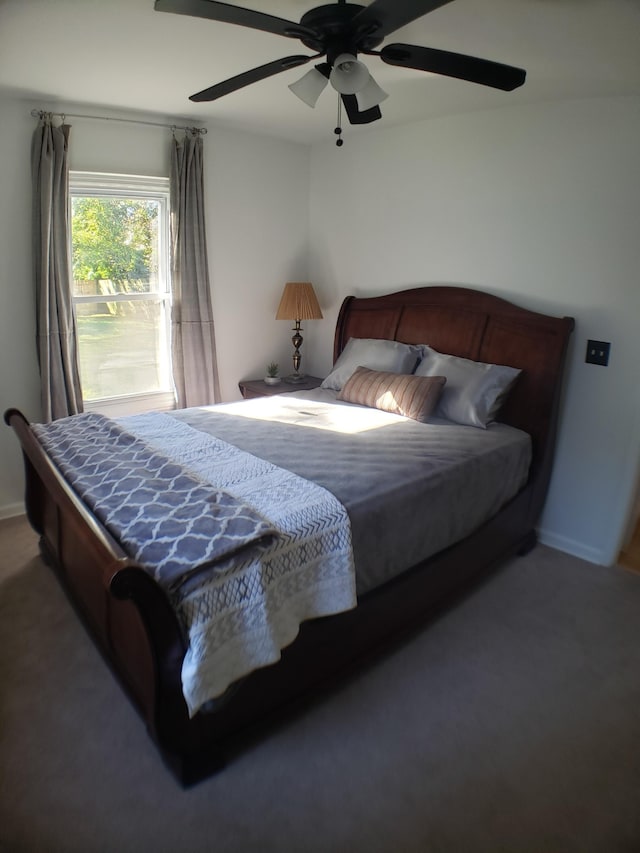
[576, 549]
[11, 510]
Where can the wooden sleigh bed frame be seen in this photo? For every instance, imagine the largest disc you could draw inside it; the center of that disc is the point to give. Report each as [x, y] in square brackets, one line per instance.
[130, 618]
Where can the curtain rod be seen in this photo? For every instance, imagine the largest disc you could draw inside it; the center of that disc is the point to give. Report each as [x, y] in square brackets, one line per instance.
[42, 113]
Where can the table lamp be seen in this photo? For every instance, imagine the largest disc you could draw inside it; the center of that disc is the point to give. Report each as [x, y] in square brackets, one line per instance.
[298, 302]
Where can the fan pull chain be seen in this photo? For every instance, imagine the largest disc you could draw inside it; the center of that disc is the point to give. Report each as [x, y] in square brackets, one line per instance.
[338, 128]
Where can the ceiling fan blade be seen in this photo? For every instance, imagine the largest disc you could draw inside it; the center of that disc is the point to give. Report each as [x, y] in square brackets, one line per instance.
[248, 77]
[357, 116]
[228, 14]
[387, 16]
[470, 68]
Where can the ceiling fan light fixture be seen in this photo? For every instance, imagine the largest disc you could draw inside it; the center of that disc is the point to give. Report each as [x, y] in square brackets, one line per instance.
[349, 75]
[309, 87]
[371, 96]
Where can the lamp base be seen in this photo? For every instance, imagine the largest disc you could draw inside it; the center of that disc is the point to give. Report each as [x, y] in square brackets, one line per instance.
[294, 377]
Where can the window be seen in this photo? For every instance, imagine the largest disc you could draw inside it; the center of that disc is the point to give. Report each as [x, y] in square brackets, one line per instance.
[121, 290]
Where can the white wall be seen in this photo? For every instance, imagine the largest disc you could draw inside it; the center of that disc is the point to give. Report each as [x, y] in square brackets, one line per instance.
[18, 365]
[257, 222]
[258, 226]
[538, 204]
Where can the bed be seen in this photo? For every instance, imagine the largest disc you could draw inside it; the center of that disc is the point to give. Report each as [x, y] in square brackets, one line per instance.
[386, 571]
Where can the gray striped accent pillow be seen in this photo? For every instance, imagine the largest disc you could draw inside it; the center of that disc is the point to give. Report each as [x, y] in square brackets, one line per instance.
[400, 393]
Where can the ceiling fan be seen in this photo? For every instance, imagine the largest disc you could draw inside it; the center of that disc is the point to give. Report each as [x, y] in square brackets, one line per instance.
[340, 31]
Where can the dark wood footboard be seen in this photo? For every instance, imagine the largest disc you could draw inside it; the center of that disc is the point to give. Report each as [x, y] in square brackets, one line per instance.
[126, 612]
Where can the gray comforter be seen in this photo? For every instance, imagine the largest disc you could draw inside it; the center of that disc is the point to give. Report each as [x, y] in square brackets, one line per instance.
[410, 489]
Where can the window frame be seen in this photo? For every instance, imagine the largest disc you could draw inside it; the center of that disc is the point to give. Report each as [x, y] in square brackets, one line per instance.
[115, 185]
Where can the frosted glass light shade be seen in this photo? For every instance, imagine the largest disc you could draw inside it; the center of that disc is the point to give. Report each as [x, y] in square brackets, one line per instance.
[348, 75]
[309, 87]
[370, 96]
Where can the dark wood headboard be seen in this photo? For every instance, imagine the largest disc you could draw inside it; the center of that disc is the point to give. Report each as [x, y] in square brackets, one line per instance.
[480, 326]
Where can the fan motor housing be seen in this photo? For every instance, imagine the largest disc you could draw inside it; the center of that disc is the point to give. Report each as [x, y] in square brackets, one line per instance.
[336, 33]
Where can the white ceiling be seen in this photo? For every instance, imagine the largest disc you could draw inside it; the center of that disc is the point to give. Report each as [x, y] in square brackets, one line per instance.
[122, 54]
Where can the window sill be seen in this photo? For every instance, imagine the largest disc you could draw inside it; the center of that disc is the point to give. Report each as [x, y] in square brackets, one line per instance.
[133, 404]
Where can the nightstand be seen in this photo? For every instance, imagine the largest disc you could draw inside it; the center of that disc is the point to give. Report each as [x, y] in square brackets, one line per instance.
[250, 388]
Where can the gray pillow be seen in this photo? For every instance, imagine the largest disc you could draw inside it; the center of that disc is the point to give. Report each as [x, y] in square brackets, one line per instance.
[374, 353]
[474, 392]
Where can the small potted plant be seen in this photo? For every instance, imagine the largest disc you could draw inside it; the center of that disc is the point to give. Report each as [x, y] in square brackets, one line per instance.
[272, 377]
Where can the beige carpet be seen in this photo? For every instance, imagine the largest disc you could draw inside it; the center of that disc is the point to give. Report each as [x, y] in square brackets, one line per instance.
[512, 723]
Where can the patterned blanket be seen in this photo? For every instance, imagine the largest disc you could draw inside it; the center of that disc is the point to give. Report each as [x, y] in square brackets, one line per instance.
[162, 516]
[285, 554]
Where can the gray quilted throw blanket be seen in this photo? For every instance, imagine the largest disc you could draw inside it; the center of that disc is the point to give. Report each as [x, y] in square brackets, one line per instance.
[240, 615]
[169, 521]
[193, 509]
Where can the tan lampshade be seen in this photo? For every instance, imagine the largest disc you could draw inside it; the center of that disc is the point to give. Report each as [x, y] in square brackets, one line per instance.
[299, 302]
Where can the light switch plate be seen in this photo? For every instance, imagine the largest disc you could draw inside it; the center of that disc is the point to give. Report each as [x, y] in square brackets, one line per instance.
[598, 352]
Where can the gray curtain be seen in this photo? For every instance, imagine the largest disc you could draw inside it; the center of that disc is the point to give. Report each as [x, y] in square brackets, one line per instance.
[195, 368]
[55, 317]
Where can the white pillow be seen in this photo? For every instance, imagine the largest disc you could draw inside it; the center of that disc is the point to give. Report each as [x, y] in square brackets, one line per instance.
[474, 392]
[374, 353]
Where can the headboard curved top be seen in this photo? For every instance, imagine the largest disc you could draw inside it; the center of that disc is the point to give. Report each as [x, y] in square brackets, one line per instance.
[480, 326]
